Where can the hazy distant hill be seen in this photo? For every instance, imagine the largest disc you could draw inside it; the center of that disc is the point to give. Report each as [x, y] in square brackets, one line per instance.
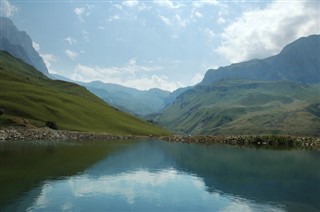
[19, 44]
[129, 99]
[272, 96]
[299, 62]
[28, 96]
[134, 101]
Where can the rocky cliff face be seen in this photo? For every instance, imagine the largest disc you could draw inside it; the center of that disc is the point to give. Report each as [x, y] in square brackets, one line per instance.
[299, 61]
[19, 44]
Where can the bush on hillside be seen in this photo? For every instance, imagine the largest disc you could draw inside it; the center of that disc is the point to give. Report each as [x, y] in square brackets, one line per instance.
[51, 125]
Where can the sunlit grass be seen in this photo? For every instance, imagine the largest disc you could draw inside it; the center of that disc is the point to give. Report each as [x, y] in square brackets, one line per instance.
[28, 94]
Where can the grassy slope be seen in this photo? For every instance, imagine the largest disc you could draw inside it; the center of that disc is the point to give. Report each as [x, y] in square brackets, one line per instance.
[26, 93]
[246, 107]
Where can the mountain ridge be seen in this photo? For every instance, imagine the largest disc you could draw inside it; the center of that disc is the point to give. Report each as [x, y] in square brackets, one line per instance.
[283, 66]
[19, 44]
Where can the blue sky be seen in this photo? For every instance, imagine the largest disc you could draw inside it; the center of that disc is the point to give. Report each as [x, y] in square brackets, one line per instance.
[164, 44]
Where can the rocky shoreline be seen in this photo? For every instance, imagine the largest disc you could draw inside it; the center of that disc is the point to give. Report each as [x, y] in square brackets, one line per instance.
[265, 141]
[21, 133]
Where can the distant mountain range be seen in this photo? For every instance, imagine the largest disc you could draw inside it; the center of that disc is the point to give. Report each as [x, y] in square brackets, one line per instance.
[276, 95]
[19, 44]
[134, 101]
[138, 102]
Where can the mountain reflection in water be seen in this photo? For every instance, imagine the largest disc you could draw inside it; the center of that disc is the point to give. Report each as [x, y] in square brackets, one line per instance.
[155, 175]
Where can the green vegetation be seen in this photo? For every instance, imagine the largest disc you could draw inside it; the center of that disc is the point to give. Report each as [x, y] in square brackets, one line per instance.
[241, 107]
[28, 97]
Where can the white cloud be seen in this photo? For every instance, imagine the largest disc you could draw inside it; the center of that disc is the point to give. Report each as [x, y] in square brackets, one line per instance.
[198, 14]
[79, 10]
[221, 21]
[71, 54]
[263, 32]
[204, 3]
[118, 6]
[130, 74]
[182, 23]
[36, 46]
[155, 81]
[7, 9]
[196, 78]
[131, 3]
[70, 40]
[169, 4]
[165, 20]
[175, 21]
[48, 59]
[83, 11]
[211, 35]
[113, 18]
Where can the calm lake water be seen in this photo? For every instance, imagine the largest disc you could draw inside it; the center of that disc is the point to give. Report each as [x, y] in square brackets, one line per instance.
[155, 176]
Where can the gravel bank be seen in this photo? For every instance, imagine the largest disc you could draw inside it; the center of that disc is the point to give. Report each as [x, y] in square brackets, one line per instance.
[20, 133]
[266, 141]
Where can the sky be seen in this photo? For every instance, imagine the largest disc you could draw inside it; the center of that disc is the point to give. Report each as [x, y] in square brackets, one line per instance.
[157, 44]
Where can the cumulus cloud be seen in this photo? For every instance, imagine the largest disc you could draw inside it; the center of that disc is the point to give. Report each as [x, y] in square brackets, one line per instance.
[264, 32]
[131, 3]
[204, 3]
[48, 60]
[176, 21]
[165, 20]
[221, 21]
[182, 23]
[36, 46]
[71, 54]
[113, 18]
[169, 4]
[197, 14]
[130, 74]
[196, 78]
[70, 40]
[7, 9]
[210, 33]
[82, 12]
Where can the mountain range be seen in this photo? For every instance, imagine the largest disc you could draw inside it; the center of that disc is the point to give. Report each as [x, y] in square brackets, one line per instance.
[137, 102]
[19, 44]
[276, 95]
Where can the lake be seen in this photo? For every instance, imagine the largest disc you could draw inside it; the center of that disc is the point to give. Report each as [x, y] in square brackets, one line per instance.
[155, 176]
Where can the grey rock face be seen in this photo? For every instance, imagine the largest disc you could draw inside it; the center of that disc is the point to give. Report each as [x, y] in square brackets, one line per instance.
[299, 61]
[19, 44]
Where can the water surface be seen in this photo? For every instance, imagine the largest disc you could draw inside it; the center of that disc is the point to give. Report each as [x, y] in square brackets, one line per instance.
[155, 176]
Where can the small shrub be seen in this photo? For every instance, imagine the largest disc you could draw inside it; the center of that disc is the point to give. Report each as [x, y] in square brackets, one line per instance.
[51, 125]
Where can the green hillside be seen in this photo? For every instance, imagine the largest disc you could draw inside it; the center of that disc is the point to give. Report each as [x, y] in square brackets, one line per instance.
[28, 96]
[236, 107]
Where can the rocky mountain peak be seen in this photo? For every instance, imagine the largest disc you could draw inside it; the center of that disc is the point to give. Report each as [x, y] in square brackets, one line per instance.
[19, 44]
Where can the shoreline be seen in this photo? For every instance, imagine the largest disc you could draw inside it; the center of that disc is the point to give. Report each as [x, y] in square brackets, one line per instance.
[264, 141]
[45, 133]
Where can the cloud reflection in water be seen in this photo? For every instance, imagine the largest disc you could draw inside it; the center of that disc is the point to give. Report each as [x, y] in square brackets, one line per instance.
[165, 189]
